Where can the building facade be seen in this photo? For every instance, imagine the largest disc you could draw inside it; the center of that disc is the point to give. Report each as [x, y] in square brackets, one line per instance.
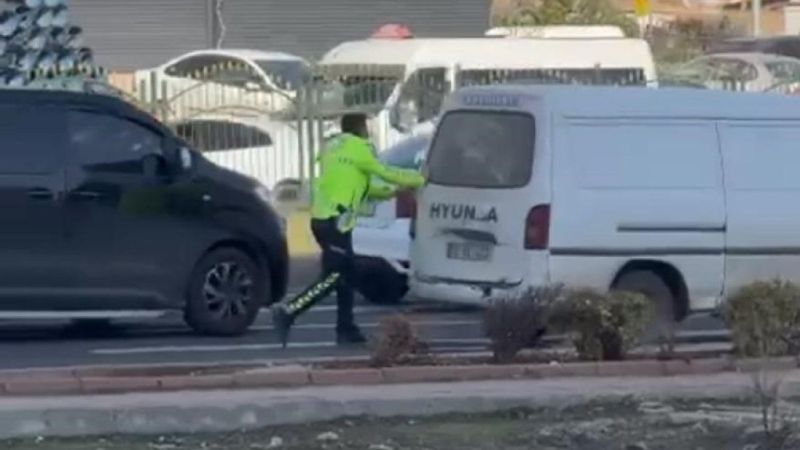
[134, 34]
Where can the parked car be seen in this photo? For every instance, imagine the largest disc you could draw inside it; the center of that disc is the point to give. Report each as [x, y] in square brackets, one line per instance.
[216, 80]
[777, 45]
[255, 146]
[742, 71]
[684, 195]
[381, 239]
[115, 217]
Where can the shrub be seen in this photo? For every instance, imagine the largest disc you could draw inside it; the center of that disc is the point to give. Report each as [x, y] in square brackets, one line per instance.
[396, 340]
[513, 322]
[764, 319]
[604, 326]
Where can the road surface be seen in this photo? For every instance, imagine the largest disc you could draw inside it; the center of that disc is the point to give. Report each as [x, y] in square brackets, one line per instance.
[168, 340]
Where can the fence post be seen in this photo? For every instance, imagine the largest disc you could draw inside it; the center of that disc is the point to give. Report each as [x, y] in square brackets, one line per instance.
[153, 91]
[164, 103]
[310, 118]
[143, 95]
[320, 134]
[300, 105]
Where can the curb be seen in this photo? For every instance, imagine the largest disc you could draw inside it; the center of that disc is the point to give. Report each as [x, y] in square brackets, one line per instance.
[181, 378]
[232, 410]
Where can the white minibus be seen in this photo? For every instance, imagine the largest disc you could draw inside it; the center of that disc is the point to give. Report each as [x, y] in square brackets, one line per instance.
[685, 195]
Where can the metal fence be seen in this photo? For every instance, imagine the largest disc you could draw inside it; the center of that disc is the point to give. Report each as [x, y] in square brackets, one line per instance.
[272, 130]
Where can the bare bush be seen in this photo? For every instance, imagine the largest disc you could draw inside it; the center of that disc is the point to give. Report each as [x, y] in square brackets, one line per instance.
[780, 433]
[396, 340]
[517, 321]
[764, 319]
[604, 326]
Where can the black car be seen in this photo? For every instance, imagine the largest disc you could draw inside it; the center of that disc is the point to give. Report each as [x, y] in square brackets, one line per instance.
[106, 213]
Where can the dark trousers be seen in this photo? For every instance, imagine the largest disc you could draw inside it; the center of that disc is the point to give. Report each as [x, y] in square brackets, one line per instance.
[338, 274]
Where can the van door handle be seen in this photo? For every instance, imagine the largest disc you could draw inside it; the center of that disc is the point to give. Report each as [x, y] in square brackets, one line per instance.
[41, 193]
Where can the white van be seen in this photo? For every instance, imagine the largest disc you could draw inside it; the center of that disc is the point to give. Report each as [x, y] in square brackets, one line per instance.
[408, 79]
[263, 149]
[682, 194]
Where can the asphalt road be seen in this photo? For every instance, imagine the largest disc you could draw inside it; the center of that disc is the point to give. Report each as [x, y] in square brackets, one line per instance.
[445, 327]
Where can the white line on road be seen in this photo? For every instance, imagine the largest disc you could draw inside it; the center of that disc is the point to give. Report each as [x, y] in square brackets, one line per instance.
[327, 326]
[357, 309]
[207, 348]
[251, 347]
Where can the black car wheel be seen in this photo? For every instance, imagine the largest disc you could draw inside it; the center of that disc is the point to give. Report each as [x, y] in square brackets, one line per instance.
[226, 290]
[379, 283]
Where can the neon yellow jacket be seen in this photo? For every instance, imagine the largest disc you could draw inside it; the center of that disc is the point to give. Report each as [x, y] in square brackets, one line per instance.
[347, 165]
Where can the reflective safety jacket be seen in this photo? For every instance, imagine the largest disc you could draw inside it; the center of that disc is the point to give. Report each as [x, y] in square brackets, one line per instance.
[347, 164]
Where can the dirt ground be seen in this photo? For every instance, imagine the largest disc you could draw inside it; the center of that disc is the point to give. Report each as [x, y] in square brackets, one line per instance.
[626, 425]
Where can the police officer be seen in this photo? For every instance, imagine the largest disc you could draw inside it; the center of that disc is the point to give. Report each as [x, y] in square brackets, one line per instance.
[347, 165]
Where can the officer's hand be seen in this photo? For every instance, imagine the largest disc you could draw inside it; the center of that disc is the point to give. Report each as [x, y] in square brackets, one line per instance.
[382, 192]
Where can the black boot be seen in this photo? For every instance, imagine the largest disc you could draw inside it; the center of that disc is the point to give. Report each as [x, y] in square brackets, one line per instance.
[349, 335]
[282, 321]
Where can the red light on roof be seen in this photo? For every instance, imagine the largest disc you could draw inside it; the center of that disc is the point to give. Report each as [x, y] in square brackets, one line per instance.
[392, 31]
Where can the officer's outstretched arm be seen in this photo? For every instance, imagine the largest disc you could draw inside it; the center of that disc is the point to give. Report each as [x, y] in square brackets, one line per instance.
[381, 192]
[369, 164]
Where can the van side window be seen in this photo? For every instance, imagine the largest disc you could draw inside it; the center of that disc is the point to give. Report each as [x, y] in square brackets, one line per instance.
[632, 76]
[213, 68]
[218, 135]
[111, 144]
[196, 67]
[424, 92]
[32, 140]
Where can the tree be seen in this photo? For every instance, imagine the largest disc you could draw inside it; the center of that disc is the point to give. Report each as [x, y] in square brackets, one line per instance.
[572, 12]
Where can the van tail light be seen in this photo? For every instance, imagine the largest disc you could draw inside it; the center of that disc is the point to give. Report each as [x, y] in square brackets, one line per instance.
[412, 227]
[405, 204]
[537, 228]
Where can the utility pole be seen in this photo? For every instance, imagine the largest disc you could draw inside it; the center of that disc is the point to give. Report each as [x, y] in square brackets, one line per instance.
[756, 17]
[222, 30]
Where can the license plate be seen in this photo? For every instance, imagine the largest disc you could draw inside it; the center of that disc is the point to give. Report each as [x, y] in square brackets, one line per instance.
[469, 251]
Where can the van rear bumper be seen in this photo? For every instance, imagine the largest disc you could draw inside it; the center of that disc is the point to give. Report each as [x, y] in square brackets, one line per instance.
[454, 291]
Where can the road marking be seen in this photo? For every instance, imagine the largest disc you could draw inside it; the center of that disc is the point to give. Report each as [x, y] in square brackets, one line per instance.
[75, 315]
[207, 348]
[445, 344]
[251, 347]
[326, 326]
[357, 309]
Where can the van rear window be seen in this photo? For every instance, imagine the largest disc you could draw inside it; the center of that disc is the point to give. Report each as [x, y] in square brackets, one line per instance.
[484, 149]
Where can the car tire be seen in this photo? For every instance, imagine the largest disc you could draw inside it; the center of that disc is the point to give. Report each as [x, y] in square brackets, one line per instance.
[225, 293]
[379, 283]
[653, 287]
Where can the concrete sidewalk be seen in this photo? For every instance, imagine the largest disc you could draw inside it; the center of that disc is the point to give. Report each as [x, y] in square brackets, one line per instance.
[227, 410]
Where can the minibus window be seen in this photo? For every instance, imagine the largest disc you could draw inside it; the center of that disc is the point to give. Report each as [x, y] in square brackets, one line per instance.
[484, 149]
[421, 97]
[632, 76]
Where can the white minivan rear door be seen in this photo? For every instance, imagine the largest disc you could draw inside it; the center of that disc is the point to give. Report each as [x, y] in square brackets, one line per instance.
[471, 215]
